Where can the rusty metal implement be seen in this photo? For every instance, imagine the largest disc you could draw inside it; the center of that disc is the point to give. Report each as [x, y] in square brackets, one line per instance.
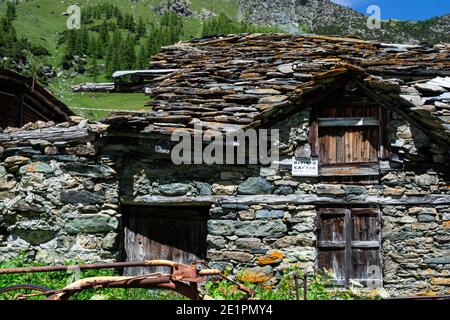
[182, 278]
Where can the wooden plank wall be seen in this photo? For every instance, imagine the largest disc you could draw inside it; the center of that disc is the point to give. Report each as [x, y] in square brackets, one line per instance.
[170, 233]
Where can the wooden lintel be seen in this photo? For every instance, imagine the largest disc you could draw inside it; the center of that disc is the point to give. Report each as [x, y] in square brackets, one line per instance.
[430, 199]
[365, 244]
[363, 169]
[20, 99]
[348, 122]
[331, 244]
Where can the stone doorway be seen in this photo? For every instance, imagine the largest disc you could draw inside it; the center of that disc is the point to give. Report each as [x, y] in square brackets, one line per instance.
[169, 233]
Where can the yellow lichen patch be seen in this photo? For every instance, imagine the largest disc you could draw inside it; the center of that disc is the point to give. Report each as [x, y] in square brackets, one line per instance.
[446, 225]
[427, 293]
[250, 75]
[271, 258]
[253, 276]
[441, 281]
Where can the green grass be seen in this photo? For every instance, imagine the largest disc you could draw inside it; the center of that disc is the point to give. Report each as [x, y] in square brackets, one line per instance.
[86, 104]
[82, 102]
[41, 21]
[58, 280]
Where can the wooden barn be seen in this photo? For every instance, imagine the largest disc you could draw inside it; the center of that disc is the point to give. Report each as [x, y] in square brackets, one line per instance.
[22, 100]
[359, 187]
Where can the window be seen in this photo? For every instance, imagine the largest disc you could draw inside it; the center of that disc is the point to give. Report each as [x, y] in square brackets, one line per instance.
[348, 139]
[349, 244]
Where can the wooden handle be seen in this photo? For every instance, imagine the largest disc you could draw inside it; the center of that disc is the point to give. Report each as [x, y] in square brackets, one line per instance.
[208, 272]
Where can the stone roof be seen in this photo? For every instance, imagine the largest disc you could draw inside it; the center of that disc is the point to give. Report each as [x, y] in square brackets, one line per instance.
[248, 80]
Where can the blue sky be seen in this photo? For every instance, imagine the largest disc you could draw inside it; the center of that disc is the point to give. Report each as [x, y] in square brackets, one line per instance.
[402, 9]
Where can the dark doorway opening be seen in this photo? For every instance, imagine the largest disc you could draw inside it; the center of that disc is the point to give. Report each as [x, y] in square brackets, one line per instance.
[168, 233]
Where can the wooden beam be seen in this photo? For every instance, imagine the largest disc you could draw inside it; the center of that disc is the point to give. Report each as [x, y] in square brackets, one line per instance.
[331, 244]
[20, 98]
[357, 169]
[348, 240]
[364, 211]
[430, 199]
[365, 244]
[332, 211]
[348, 122]
[50, 134]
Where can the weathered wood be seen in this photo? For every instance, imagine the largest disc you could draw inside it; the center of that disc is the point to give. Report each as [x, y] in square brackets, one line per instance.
[433, 199]
[331, 244]
[363, 169]
[348, 251]
[365, 244]
[364, 211]
[177, 235]
[349, 243]
[348, 122]
[51, 134]
[332, 211]
[93, 87]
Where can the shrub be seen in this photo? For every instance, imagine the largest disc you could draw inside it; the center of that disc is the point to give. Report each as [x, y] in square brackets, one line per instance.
[319, 287]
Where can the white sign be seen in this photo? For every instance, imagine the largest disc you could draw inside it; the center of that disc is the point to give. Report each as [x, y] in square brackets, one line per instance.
[305, 167]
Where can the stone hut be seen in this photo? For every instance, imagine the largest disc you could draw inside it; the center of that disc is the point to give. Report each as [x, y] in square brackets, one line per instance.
[360, 186]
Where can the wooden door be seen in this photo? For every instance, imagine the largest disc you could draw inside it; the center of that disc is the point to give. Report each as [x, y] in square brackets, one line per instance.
[176, 234]
[349, 244]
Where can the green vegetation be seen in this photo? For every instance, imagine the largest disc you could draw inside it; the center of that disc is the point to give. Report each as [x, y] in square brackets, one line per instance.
[15, 50]
[319, 287]
[58, 280]
[115, 35]
[222, 24]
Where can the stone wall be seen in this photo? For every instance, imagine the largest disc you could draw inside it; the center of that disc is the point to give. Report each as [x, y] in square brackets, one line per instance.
[416, 249]
[58, 199]
[266, 237]
[263, 239]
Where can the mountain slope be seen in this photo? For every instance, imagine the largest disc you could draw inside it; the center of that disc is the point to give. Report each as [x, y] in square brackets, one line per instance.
[326, 17]
[43, 24]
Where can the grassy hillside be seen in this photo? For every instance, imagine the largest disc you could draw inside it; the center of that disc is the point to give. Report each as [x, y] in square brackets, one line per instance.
[42, 22]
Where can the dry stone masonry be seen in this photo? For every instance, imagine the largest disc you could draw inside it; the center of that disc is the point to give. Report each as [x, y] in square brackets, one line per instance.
[58, 202]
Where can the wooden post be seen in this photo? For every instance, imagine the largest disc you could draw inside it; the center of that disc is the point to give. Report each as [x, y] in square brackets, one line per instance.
[20, 97]
[348, 245]
[297, 295]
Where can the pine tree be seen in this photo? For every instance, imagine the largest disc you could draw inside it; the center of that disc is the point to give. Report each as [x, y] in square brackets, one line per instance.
[94, 69]
[141, 30]
[72, 42]
[141, 58]
[120, 20]
[108, 61]
[11, 10]
[128, 53]
[103, 33]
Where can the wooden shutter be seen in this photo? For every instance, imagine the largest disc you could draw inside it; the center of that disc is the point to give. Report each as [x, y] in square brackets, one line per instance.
[176, 234]
[349, 243]
[348, 140]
